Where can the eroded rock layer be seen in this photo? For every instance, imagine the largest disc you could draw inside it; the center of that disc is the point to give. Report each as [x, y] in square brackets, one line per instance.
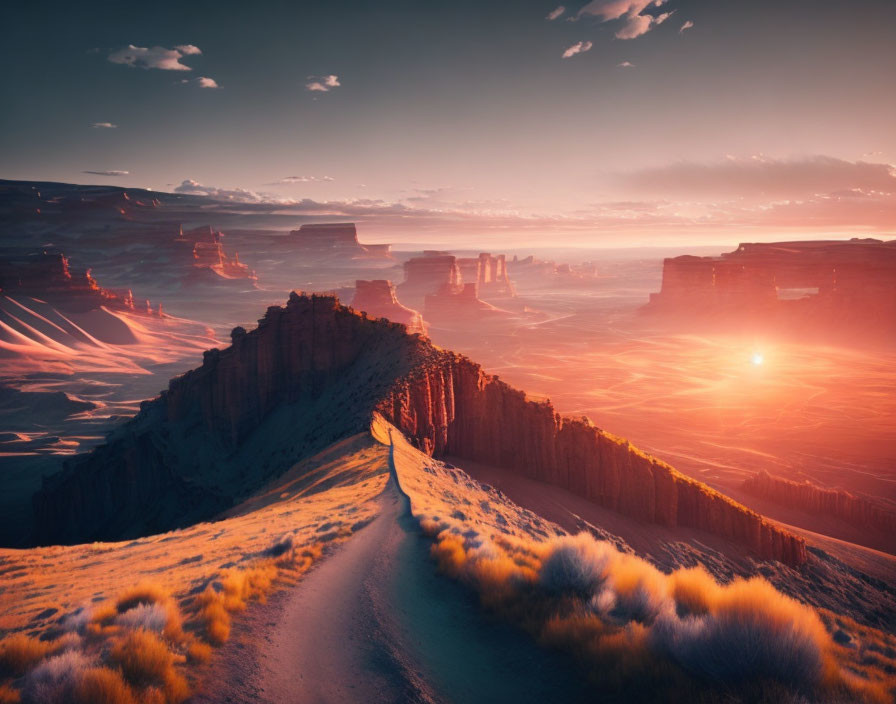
[819, 500]
[314, 372]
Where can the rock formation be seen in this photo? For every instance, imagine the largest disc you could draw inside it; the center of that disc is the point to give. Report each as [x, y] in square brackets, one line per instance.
[377, 298]
[315, 372]
[338, 239]
[811, 498]
[489, 273]
[48, 276]
[428, 274]
[208, 253]
[829, 280]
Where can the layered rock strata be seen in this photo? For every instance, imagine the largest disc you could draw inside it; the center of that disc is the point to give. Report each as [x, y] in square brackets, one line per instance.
[814, 499]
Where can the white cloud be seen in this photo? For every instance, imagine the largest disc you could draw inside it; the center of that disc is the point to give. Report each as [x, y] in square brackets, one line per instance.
[686, 25]
[636, 21]
[156, 57]
[103, 126]
[305, 179]
[554, 14]
[626, 64]
[241, 195]
[577, 48]
[202, 82]
[188, 49]
[107, 173]
[322, 84]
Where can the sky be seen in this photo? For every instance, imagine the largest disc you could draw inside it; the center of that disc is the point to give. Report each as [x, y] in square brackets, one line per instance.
[619, 122]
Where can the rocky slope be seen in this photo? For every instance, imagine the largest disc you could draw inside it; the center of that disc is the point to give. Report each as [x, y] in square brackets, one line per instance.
[313, 373]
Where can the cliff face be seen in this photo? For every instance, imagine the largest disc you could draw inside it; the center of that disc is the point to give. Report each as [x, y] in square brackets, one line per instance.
[313, 373]
[818, 500]
[453, 407]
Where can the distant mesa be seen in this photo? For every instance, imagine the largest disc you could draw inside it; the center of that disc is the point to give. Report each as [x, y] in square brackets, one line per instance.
[489, 273]
[338, 239]
[832, 282]
[208, 253]
[453, 306]
[378, 299]
[47, 276]
[550, 272]
[315, 372]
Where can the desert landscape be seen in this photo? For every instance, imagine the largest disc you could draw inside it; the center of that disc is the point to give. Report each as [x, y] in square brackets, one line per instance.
[561, 370]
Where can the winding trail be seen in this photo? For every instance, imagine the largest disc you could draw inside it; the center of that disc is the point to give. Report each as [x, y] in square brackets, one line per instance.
[374, 622]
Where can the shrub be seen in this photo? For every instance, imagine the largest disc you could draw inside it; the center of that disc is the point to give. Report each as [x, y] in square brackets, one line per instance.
[54, 680]
[102, 685]
[19, 653]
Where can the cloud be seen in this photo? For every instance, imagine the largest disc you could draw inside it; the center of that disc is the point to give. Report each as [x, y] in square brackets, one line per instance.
[760, 177]
[577, 48]
[107, 173]
[554, 14]
[687, 25]
[240, 195]
[156, 57]
[633, 13]
[322, 84]
[103, 126]
[626, 64]
[304, 179]
[202, 82]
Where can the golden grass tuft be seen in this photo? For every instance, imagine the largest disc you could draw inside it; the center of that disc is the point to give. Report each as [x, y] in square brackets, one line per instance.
[9, 695]
[199, 652]
[103, 685]
[231, 593]
[146, 662]
[143, 593]
[20, 652]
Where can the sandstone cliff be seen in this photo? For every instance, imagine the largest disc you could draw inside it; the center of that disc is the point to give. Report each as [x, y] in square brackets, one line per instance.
[378, 299]
[819, 500]
[313, 373]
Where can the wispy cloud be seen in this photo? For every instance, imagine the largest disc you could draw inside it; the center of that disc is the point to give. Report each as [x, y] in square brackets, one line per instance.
[577, 48]
[636, 21]
[107, 173]
[626, 64]
[155, 57]
[555, 13]
[304, 179]
[687, 25]
[103, 126]
[322, 84]
[240, 195]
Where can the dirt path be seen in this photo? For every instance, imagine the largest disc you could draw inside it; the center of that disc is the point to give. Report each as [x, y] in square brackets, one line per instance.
[376, 623]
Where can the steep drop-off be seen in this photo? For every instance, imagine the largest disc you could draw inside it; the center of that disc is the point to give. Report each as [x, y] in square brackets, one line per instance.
[314, 372]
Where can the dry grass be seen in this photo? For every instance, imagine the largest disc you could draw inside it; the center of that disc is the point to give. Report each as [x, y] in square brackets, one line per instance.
[143, 593]
[9, 695]
[633, 626]
[19, 653]
[146, 661]
[103, 685]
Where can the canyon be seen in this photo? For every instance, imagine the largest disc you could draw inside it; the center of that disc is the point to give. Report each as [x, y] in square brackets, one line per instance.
[314, 372]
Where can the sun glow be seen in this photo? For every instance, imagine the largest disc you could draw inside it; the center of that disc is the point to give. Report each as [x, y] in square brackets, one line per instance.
[757, 359]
